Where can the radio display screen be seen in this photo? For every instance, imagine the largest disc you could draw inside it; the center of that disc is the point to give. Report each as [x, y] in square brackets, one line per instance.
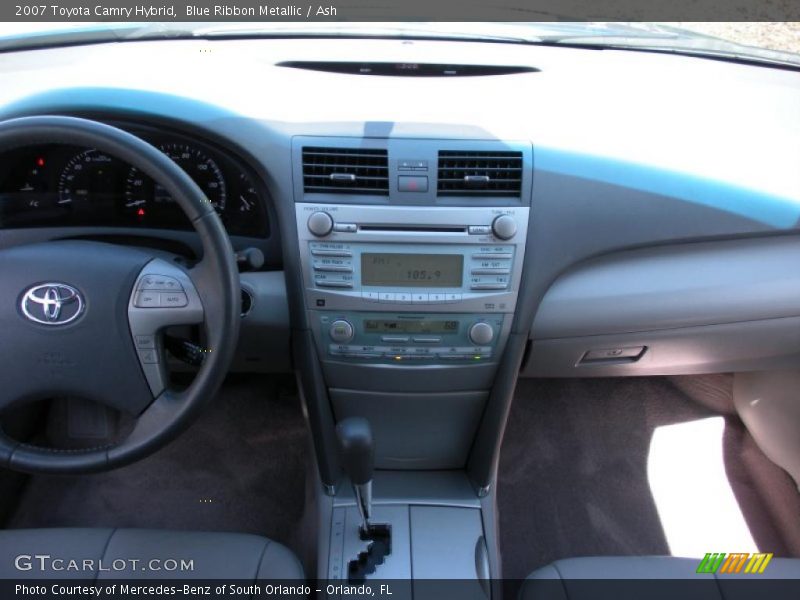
[410, 326]
[411, 270]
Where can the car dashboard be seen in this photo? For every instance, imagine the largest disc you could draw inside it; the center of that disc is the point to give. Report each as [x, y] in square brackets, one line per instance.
[632, 163]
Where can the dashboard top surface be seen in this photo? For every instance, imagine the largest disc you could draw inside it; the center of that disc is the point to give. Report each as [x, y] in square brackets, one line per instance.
[703, 118]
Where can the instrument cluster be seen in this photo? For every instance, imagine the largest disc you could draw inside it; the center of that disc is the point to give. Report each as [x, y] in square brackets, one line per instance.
[65, 186]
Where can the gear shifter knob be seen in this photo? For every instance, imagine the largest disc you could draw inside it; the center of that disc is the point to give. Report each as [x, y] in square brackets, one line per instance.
[356, 447]
[358, 459]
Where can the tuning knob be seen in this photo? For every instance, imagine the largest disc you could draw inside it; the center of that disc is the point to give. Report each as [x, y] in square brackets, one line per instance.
[320, 223]
[481, 334]
[504, 227]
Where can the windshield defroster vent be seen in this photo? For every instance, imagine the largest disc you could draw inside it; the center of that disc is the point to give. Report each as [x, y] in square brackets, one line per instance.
[479, 173]
[345, 171]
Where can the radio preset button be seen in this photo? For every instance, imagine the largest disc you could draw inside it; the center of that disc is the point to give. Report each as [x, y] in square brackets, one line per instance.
[320, 223]
[403, 298]
[419, 298]
[370, 296]
[387, 296]
[453, 297]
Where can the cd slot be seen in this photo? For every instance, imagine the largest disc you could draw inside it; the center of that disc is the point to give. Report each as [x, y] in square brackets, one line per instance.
[413, 228]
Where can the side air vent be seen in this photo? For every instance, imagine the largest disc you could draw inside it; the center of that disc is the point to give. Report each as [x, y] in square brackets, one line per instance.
[473, 173]
[345, 171]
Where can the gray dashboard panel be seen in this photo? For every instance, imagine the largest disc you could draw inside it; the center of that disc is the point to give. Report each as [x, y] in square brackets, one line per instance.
[674, 286]
[694, 308]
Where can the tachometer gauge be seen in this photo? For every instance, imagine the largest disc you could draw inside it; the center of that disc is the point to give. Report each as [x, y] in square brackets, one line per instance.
[140, 190]
[87, 178]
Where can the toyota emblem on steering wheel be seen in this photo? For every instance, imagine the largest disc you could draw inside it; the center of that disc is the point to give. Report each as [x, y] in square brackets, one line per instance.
[52, 304]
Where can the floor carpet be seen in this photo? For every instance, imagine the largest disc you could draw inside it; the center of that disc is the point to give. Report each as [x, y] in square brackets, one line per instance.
[240, 468]
[573, 475]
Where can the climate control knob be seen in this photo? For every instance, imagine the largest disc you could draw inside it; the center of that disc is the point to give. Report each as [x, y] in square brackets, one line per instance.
[341, 331]
[481, 334]
[320, 223]
[504, 227]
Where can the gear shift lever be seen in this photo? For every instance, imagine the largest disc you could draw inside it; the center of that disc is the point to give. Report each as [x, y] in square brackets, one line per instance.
[357, 450]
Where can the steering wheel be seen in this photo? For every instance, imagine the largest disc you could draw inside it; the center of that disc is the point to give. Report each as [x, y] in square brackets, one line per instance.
[85, 319]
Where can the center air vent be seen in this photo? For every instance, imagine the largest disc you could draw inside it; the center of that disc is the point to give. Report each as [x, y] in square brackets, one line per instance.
[478, 173]
[345, 171]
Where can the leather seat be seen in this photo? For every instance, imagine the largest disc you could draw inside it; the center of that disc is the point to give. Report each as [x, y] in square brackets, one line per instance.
[657, 578]
[110, 553]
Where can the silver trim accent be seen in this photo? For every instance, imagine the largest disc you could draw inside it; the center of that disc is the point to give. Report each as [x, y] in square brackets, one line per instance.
[55, 296]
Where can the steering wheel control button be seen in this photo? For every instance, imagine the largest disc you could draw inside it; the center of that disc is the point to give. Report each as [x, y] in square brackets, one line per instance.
[504, 227]
[341, 331]
[481, 334]
[161, 283]
[144, 342]
[147, 300]
[174, 300]
[320, 223]
[149, 356]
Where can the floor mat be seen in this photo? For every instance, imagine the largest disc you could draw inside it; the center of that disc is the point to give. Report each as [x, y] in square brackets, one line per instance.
[573, 477]
[239, 468]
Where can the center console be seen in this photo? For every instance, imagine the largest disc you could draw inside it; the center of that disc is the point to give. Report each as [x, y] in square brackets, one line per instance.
[411, 255]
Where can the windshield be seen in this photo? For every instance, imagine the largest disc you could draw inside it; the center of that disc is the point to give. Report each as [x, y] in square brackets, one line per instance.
[777, 43]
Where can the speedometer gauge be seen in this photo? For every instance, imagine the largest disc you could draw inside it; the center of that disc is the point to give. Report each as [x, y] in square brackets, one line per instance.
[140, 190]
[87, 178]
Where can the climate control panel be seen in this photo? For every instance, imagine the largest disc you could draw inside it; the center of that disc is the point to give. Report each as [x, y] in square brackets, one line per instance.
[409, 337]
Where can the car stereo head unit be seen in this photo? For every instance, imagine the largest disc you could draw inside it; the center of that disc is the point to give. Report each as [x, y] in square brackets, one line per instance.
[401, 258]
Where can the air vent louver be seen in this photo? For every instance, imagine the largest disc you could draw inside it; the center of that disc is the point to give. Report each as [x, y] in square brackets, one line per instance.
[345, 171]
[478, 173]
